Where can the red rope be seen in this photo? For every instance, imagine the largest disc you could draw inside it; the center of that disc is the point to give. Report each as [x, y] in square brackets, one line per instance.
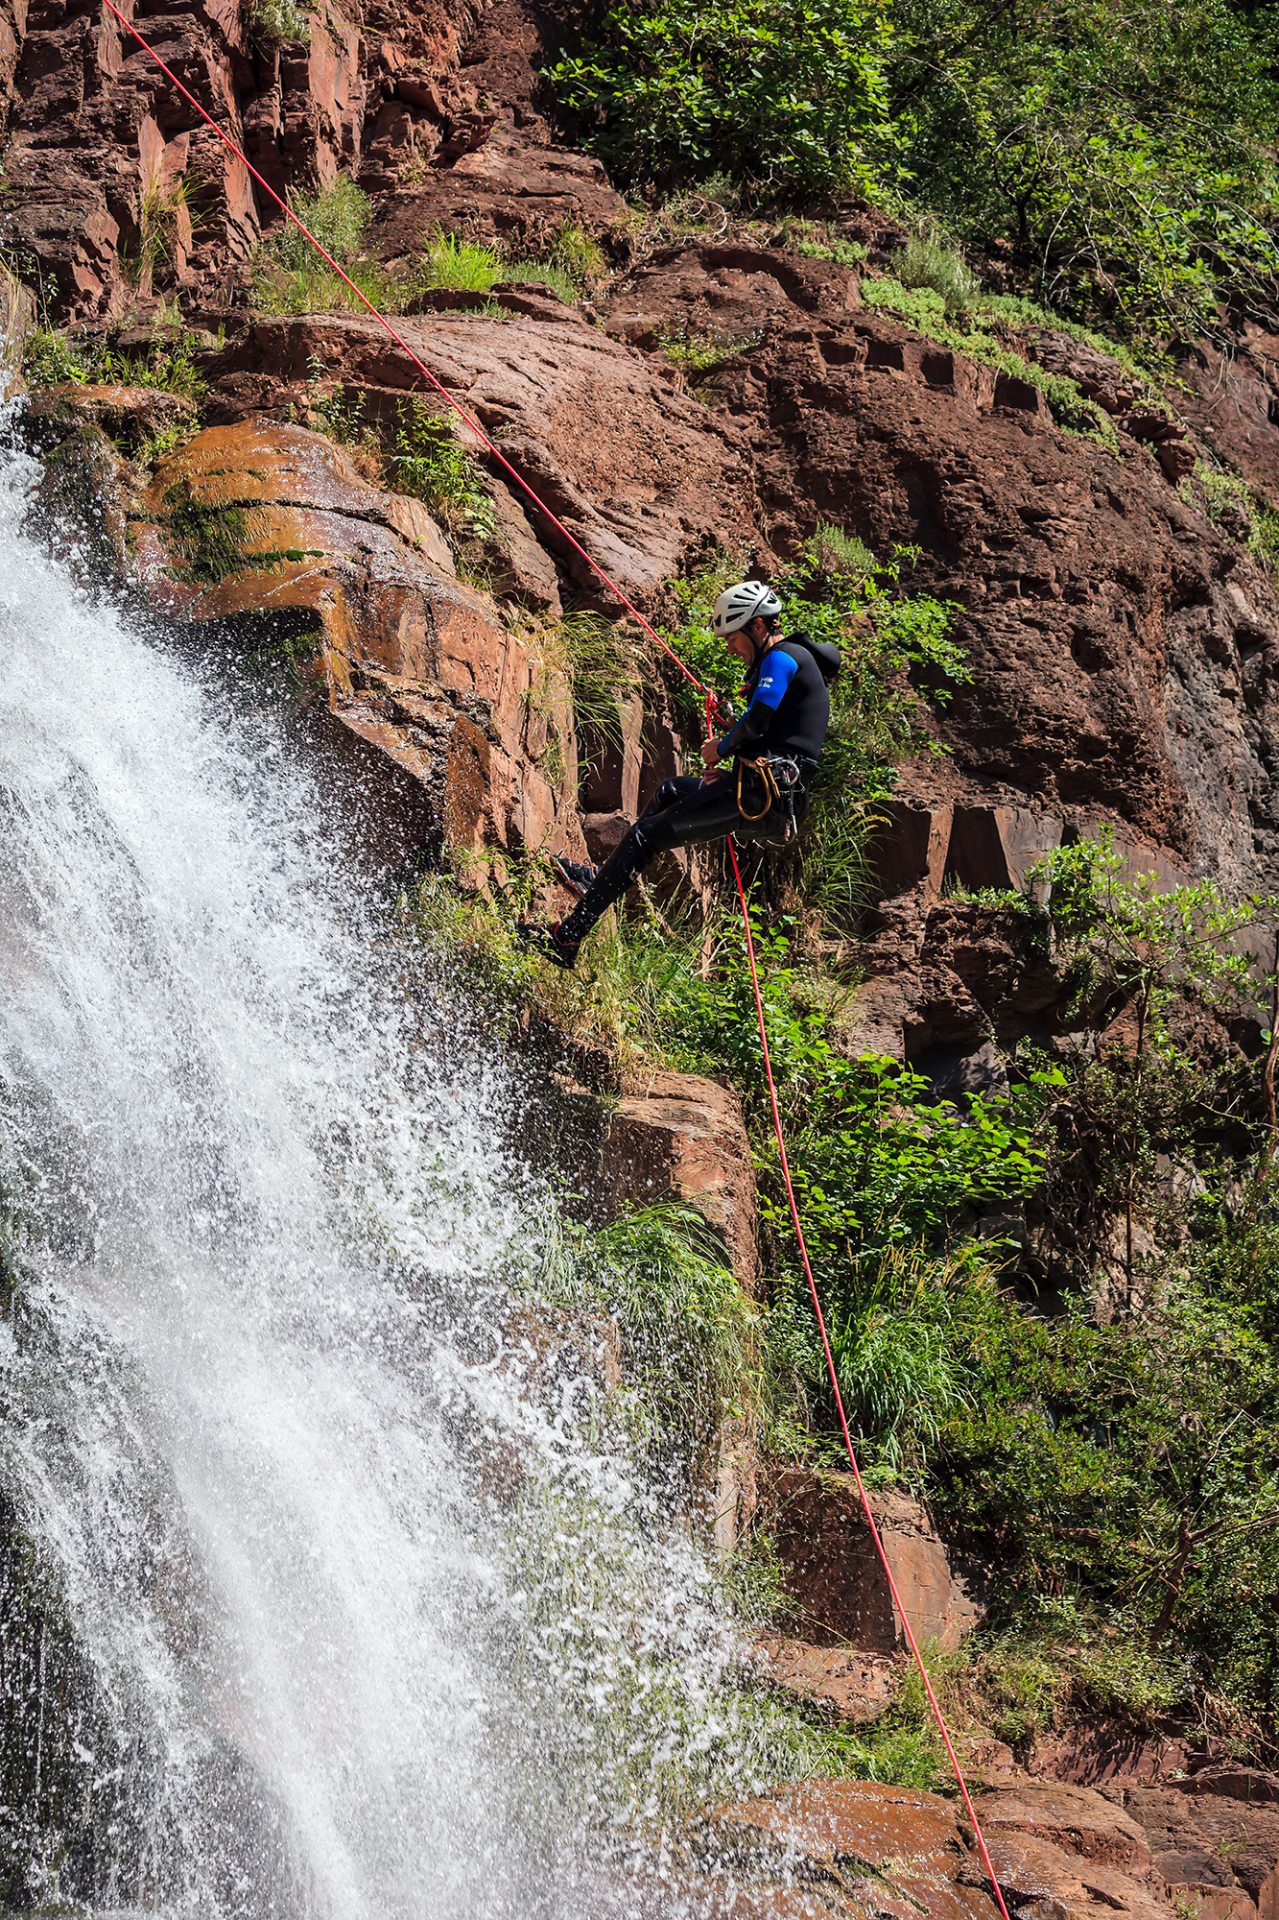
[711, 707]
[862, 1494]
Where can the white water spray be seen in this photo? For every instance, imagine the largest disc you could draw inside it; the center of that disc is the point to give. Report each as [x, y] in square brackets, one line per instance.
[248, 1406]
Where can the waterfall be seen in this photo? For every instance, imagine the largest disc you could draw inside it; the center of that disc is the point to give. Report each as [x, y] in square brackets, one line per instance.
[315, 1601]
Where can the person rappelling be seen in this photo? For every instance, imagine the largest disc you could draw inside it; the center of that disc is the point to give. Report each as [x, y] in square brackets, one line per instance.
[774, 746]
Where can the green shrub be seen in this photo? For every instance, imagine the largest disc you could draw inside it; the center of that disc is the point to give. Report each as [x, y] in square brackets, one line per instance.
[427, 460]
[463, 265]
[782, 97]
[1122, 156]
[52, 358]
[929, 263]
[271, 21]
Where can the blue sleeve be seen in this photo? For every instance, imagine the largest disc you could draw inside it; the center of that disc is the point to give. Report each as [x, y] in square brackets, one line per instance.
[776, 674]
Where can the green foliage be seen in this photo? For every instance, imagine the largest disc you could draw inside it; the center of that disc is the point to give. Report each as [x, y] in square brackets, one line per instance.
[597, 660]
[288, 276]
[574, 267]
[50, 359]
[428, 461]
[53, 358]
[930, 263]
[1127, 1465]
[271, 21]
[925, 309]
[892, 643]
[162, 205]
[817, 240]
[544, 273]
[1238, 509]
[687, 1331]
[698, 353]
[1135, 1118]
[786, 98]
[1122, 154]
[464, 265]
[340, 412]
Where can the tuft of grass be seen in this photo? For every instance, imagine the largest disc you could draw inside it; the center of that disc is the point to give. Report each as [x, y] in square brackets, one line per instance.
[897, 1363]
[597, 659]
[542, 273]
[838, 555]
[427, 460]
[574, 266]
[162, 204]
[287, 276]
[929, 263]
[273, 21]
[462, 266]
[580, 256]
[698, 353]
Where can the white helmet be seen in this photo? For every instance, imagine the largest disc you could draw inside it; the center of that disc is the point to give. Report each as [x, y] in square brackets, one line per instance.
[737, 607]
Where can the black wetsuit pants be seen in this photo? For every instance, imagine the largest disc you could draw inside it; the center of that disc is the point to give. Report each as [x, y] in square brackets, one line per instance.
[683, 810]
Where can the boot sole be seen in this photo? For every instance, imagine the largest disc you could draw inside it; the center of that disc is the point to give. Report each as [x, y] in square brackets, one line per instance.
[575, 887]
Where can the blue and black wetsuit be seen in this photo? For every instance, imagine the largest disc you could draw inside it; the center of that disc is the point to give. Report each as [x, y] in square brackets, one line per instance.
[786, 717]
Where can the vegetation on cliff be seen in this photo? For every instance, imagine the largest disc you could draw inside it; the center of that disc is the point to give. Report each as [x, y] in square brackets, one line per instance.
[1119, 161]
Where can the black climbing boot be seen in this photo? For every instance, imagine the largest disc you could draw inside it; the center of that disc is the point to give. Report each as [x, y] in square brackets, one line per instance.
[549, 942]
[576, 875]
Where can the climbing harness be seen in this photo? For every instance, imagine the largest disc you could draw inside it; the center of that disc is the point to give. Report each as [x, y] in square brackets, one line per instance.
[711, 708]
[782, 785]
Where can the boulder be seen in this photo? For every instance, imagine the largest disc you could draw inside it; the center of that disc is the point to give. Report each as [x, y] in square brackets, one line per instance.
[1218, 1828]
[869, 1850]
[835, 1579]
[1076, 1819]
[676, 1135]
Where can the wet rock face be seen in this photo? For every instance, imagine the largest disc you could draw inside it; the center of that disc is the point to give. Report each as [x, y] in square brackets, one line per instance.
[267, 531]
[851, 1849]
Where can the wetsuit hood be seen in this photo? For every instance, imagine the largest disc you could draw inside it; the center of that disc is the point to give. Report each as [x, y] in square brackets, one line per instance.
[826, 654]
